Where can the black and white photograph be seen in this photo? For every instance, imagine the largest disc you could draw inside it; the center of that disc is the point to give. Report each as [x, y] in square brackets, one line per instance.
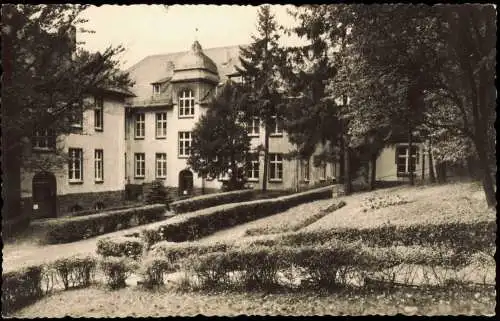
[225, 160]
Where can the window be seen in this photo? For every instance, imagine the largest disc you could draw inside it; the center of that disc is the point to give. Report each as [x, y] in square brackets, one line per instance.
[253, 170]
[156, 89]
[139, 125]
[404, 164]
[305, 169]
[76, 116]
[44, 139]
[322, 171]
[140, 165]
[276, 126]
[186, 103]
[184, 144]
[161, 125]
[75, 166]
[161, 165]
[125, 161]
[99, 165]
[254, 127]
[98, 114]
[275, 167]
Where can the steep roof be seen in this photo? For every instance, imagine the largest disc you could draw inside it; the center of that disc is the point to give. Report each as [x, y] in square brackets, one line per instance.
[158, 67]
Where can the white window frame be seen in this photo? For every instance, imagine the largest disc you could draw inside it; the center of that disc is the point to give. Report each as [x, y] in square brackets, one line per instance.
[254, 127]
[156, 89]
[305, 170]
[322, 171]
[99, 165]
[277, 130]
[254, 171]
[161, 165]
[186, 103]
[276, 163]
[78, 123]
[139, 165]
[75, 165]
[185, 140]
[140, 126]
[99, 114]
[405, 158]
[161, 125]
[47, 136]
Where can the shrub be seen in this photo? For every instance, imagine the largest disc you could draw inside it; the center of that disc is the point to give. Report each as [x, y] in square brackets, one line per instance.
[117, 270]
[65, 230]
[205, 201]
[96, 209]
[195, 225]
[153, 271]
[122, 246]
[21, 288]
[176, 252]
[157, 194]
[75, 271]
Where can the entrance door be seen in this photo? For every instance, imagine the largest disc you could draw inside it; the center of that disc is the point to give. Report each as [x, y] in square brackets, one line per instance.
[44, 195]
[185, 182]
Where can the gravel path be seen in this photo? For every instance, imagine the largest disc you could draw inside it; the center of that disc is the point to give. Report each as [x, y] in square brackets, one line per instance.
[98, 302]
[26, 253]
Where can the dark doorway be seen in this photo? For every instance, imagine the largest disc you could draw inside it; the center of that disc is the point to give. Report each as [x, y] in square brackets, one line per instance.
[185, 182]
[44, 191]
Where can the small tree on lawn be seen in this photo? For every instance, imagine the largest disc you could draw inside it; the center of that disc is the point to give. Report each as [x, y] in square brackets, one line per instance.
[220, 142]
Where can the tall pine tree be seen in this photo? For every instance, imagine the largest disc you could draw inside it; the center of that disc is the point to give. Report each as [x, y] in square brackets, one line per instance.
[259, 70]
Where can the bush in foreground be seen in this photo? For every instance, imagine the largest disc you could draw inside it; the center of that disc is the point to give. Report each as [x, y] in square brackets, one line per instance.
[75, 271]
[20, 288]
[65, 230]
[117, 270]
[153, 271]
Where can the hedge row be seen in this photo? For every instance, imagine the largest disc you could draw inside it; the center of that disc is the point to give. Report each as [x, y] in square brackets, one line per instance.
[96, 211]
[201, 223]
[65, 230]
[460, 236]
[200, 202]
[25, 286]
[131, 247]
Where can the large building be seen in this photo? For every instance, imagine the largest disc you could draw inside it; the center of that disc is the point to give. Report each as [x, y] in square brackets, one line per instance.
[131, 138]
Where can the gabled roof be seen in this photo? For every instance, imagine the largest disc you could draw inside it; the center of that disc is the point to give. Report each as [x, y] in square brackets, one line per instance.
[158, 67]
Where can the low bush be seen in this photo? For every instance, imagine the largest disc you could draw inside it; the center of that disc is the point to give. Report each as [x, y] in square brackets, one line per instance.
[153, 271]
[96, 211]
[122, 246]
[75, 271]
[201, 223]
[21, 288]
[65, 230]
[157, 194]
[200, 202]
[460, 236]
[178, 251]
[117, 270]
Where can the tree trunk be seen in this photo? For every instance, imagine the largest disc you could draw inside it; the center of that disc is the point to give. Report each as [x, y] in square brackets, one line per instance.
[347, 171]
[423, 166]
[11, 191]
[373, 172]
[266, 159]
[410, 160]
[341, 173]
[432, 174]
[487, 180]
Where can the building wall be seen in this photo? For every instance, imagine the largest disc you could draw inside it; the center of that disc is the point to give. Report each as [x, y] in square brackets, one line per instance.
[110, 140]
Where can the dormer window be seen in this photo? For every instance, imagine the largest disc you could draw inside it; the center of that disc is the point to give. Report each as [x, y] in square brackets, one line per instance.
[156, 89]
[186, 103]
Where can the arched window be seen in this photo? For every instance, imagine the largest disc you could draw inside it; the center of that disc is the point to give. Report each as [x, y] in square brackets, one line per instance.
[186, 103]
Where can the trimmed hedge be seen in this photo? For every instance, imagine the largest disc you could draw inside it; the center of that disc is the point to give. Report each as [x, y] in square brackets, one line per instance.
[201, 223]
[95, 211]
[21, 288]
[200, 202]
[460, 236]
[65, 230]
[131, 247]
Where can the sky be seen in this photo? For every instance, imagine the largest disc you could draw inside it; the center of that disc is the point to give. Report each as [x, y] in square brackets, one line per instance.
[153, 29]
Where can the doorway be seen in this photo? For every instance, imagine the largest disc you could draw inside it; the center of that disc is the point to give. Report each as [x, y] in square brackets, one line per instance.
[185, 182]
[44, 190]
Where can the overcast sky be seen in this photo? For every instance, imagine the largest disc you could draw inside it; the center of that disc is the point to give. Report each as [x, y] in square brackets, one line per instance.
[152, 29]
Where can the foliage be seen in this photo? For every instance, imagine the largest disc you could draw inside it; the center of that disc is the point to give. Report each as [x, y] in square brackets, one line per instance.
[376, 202]
[117, 270]
[220, 140]
[197, 224]
[65, 230]
[120, 247]
[204, 201]
[153, 271]
[21, 288]
[75, 271]
[157, 193]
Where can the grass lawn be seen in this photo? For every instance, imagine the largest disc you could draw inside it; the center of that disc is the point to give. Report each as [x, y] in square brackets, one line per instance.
[99, 302]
